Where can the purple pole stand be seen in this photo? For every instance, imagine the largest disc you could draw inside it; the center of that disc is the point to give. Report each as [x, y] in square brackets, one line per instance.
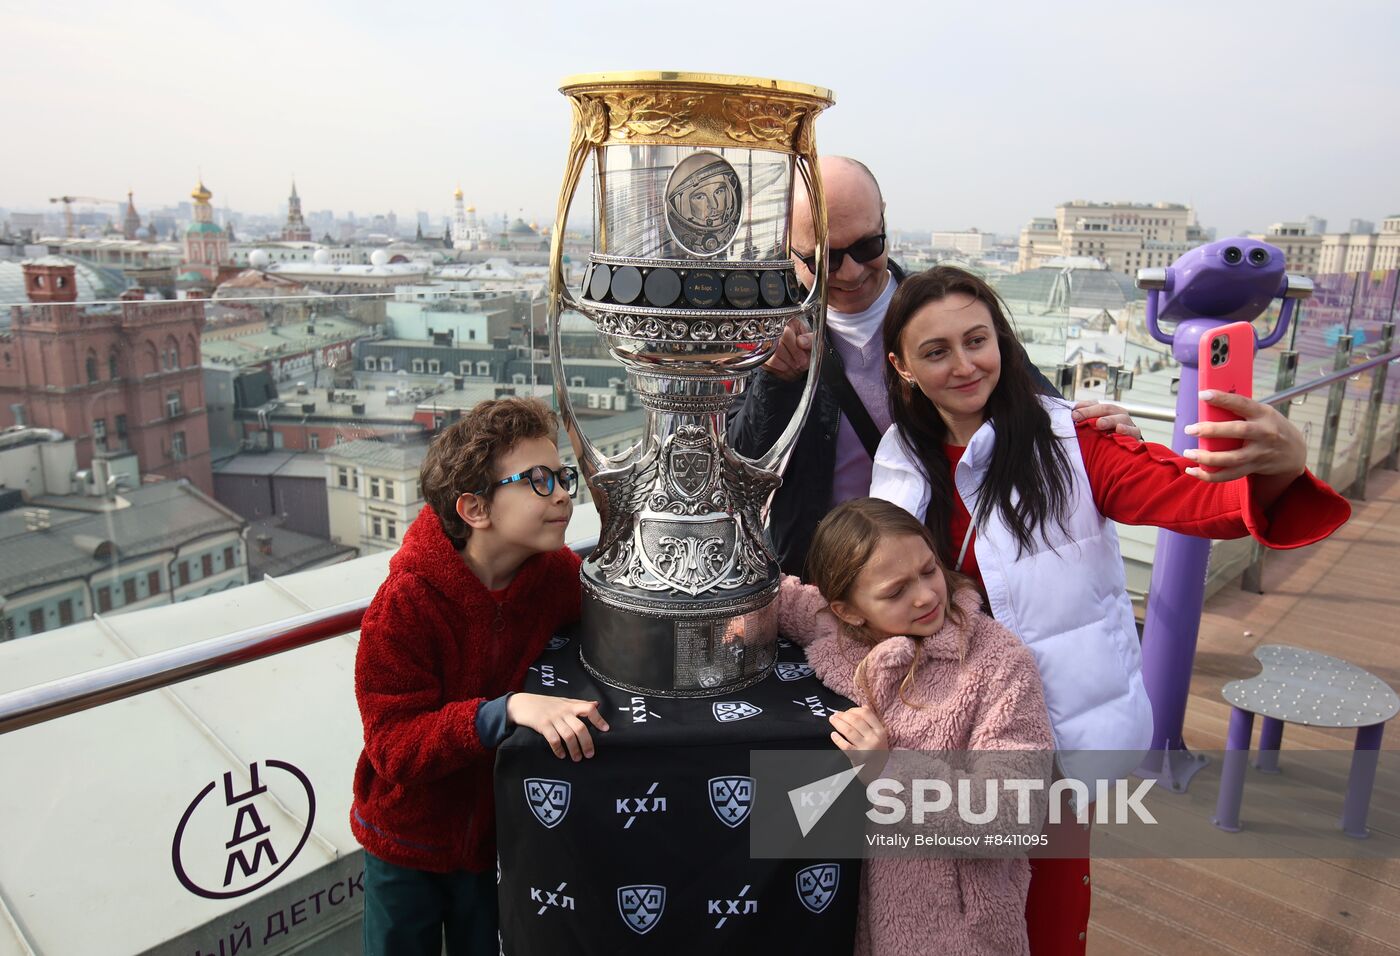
[1270, 738]
[1227, 805]
[1363, 777]
[1175, 597]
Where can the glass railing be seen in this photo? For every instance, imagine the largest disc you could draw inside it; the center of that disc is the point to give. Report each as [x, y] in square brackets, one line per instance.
[202, 444]
[1358, 400]
[1104, 349]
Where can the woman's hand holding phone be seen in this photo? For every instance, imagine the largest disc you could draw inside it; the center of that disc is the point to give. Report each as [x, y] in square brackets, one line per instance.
[1237, 435]
[1269, 443]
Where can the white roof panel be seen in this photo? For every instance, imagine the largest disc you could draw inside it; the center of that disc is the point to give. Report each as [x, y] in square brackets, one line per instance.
[93, 800]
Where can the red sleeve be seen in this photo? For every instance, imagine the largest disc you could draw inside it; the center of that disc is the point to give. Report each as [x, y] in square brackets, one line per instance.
[1307, 511]
[410, 734]
[1143, 483]
[572, 587]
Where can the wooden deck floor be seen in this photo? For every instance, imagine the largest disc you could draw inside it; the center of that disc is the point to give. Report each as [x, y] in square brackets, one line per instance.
[1340, 597]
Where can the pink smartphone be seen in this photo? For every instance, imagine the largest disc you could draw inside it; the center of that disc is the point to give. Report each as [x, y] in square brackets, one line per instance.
[1226, 365]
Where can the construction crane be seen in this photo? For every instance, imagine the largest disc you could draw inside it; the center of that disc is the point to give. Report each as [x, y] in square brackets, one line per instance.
[68, 209]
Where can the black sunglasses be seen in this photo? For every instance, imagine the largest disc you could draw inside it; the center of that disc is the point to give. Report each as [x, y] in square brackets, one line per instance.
[541, 479]
[862, 250]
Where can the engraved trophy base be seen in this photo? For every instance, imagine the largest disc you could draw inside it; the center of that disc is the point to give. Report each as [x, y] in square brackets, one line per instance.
[655, 646]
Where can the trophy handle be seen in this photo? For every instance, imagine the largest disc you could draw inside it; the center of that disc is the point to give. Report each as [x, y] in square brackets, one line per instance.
[814, 307]
[589, 458]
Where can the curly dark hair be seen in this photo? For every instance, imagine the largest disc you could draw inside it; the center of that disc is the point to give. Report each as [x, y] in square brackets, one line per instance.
[464, 456]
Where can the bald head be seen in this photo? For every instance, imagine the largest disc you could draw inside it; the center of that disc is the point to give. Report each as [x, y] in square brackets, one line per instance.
[855, 210]
[850, 188]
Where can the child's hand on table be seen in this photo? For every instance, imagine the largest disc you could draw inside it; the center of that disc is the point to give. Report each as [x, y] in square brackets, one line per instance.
[557, 720]
[860, 734]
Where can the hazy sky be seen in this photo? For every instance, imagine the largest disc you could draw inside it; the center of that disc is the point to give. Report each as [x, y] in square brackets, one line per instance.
[972, 115]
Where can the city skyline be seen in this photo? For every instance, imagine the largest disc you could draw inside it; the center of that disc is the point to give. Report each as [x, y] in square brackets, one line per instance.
[978, 118]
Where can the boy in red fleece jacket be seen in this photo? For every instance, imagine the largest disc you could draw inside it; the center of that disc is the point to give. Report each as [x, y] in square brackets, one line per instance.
[481, 583]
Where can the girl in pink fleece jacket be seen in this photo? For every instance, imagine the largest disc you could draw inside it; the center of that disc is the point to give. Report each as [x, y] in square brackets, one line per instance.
[886, 626]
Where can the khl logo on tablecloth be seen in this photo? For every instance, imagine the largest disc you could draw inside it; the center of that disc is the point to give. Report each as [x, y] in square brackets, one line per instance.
[548, 799]
[647, 803]
[731, 798]
[786, 670]
[546, 674]
[815, 706]
[726, 711]
[738, 906]
[641, 711]
[641, 905]
[556, 898]
[556, 643]
[816, 885]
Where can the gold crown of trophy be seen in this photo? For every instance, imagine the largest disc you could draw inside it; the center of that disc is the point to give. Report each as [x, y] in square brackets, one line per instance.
[690, 284]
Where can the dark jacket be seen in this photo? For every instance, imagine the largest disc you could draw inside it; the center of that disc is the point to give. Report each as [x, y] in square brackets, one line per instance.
[435, 646]
[759, 417]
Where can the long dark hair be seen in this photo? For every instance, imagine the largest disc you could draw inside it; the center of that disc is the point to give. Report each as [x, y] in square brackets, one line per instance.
[1028, 480]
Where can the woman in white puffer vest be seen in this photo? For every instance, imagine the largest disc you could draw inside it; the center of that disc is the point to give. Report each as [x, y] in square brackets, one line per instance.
[1021, 498]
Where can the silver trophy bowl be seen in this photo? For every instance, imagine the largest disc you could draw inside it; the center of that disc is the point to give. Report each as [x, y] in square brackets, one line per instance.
[691, 285]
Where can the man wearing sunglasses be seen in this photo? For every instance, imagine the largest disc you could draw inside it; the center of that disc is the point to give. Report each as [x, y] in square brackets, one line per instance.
[832, 460]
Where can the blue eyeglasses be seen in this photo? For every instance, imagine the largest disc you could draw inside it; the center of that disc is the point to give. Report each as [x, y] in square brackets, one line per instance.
[541, 479]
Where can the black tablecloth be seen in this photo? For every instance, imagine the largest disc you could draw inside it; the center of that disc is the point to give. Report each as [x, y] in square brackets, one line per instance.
[645, 847]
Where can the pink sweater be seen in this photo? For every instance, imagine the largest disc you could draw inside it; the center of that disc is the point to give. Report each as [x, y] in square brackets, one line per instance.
[990, 702]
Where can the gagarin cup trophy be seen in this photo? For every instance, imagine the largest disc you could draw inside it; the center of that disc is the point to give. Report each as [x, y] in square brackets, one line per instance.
[690, 284]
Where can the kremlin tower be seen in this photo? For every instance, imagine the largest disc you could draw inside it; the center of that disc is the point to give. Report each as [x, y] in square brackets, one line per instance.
[131, 222]
[296, 229]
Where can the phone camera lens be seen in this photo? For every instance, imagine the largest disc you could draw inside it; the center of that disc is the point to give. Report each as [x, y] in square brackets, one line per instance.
[1232, 255]
[1219, 350]
[1258, 257]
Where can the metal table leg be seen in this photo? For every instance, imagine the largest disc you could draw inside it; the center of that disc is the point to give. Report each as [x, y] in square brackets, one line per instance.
[1363, 777]
[1232, 768]
[1270, 737]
